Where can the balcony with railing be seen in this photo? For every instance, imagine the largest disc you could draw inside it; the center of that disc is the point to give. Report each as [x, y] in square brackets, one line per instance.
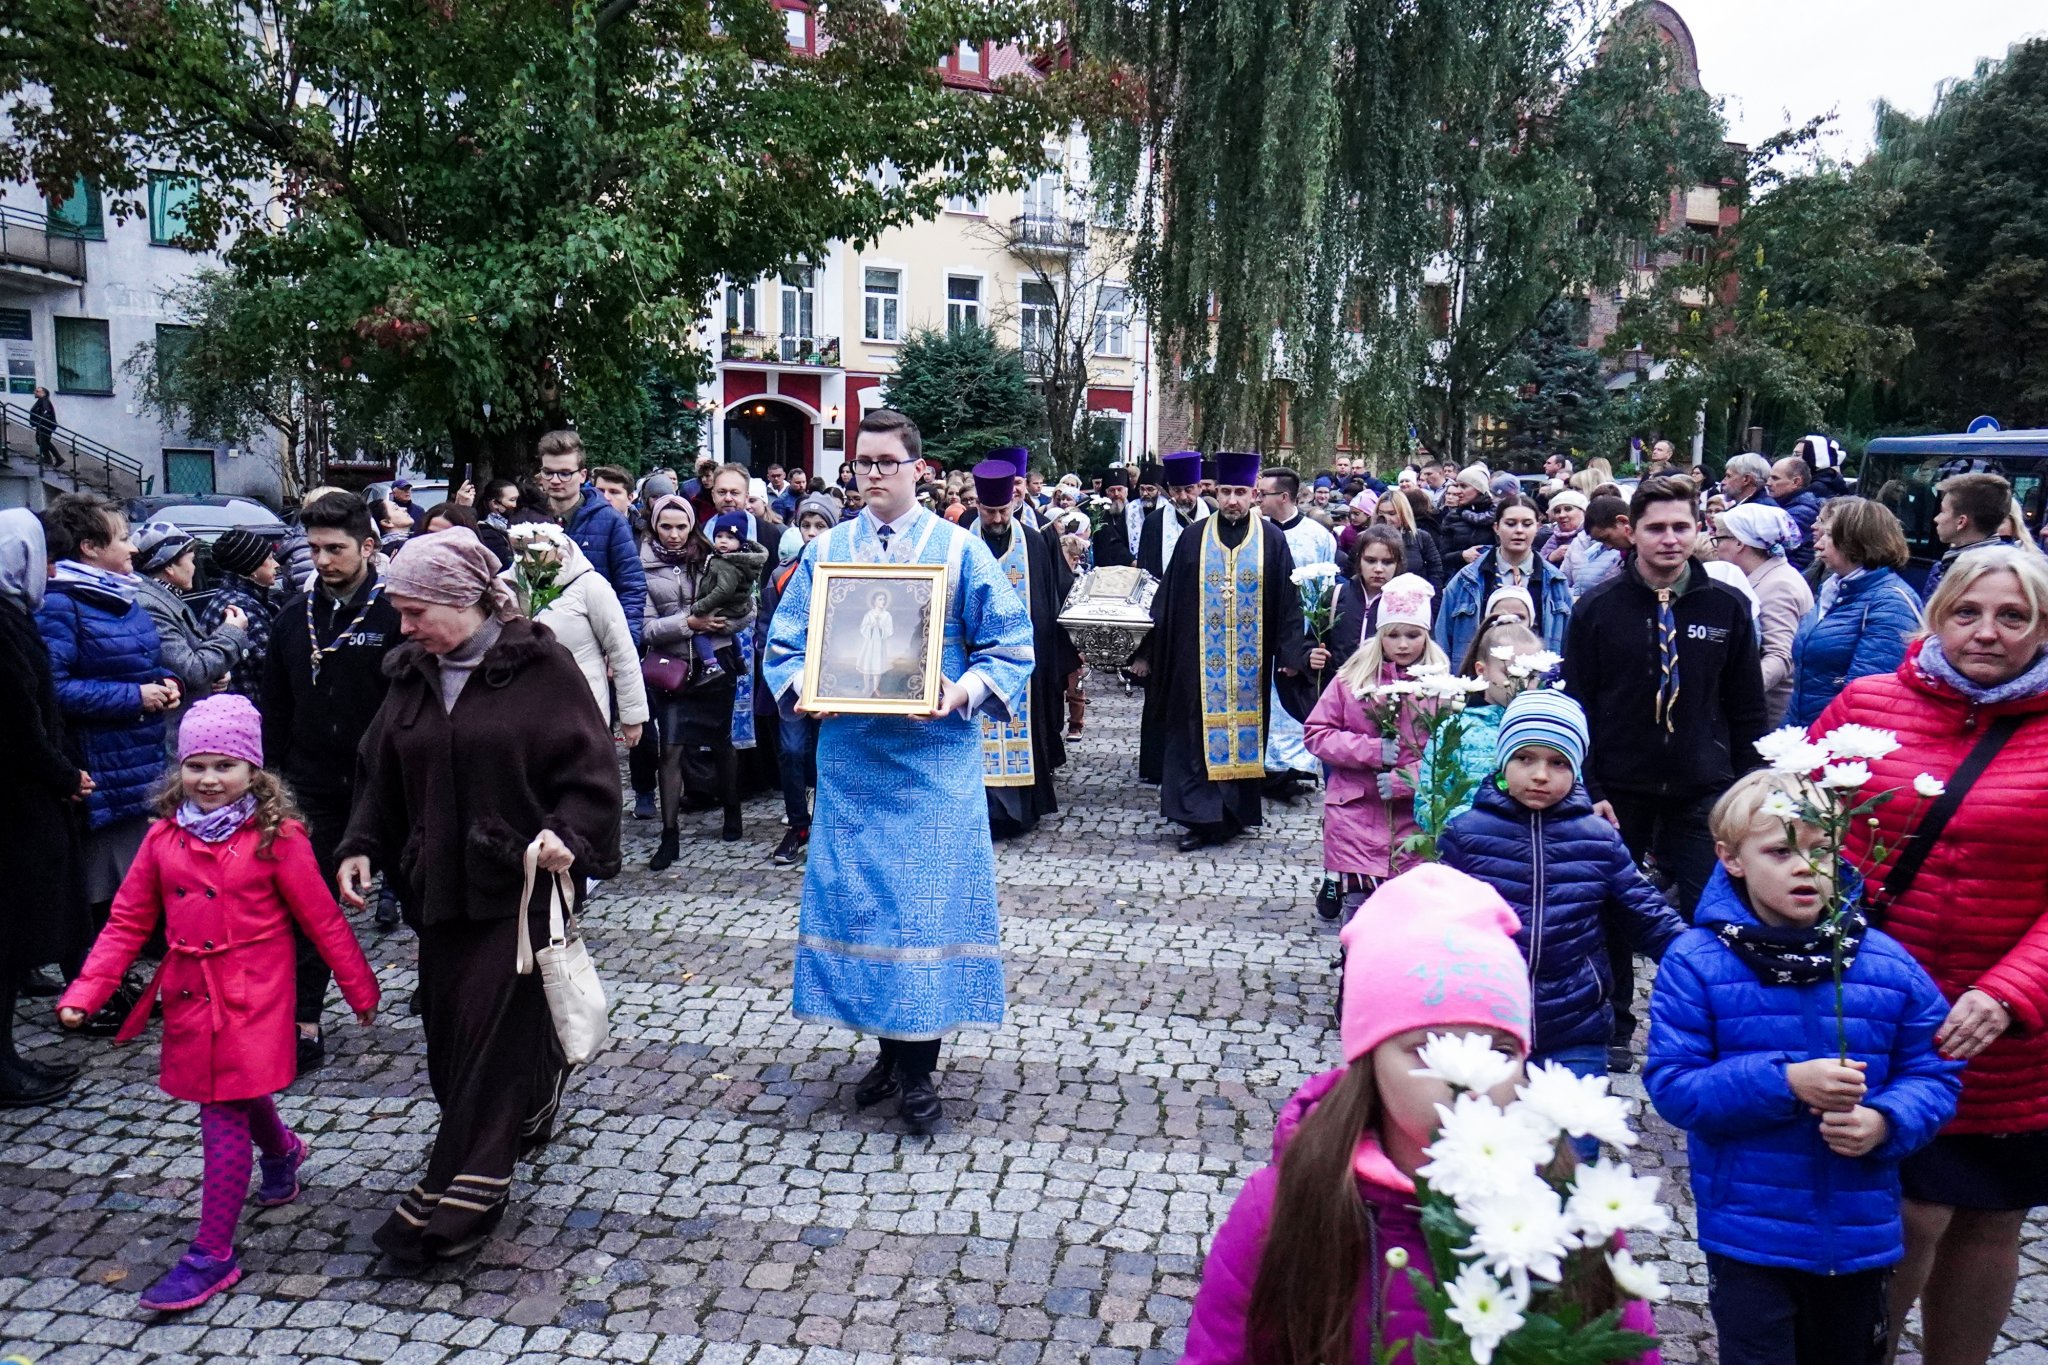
[33, 251]
[777, 349]
[1032, 233]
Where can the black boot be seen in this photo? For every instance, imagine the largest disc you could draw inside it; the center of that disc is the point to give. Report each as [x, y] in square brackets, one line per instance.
[879, 1084]
[41, 983]
[21, 1088]
[665, 855]
[732, 832]
[920, 1105]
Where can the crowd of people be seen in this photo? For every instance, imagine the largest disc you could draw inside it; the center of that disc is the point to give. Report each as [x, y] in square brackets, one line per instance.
[351, 713]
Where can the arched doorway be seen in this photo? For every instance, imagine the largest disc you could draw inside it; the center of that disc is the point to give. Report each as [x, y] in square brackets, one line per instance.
[764, 431]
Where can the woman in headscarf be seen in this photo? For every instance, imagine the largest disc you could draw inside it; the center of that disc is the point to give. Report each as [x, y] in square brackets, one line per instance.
[39, 789]
[1756, 539]
[487, 741]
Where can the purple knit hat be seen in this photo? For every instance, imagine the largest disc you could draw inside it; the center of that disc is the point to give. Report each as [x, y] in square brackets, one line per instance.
[224, 723]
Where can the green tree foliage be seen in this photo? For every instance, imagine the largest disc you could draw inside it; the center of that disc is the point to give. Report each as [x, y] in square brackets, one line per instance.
[1970, 182]
[1297, 168]
[1556, 393]
[1779, 315]
[503, 214]
[967, 392]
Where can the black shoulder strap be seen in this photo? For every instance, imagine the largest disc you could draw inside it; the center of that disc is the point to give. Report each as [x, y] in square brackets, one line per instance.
[1920, 843]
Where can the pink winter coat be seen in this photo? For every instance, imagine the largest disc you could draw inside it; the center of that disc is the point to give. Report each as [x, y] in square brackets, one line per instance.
[1360, 828]
[229, 981]
[1217, 1332]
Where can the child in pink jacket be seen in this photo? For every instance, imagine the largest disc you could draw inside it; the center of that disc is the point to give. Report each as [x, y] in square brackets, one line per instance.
[229, 871]
[1368, 804]
[1433, 953]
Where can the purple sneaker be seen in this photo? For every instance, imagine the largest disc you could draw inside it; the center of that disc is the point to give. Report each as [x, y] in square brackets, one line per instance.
[196, 1278]
[281, 1175]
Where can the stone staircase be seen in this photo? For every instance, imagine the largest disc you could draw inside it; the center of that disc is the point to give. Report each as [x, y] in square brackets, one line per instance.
[81, 464]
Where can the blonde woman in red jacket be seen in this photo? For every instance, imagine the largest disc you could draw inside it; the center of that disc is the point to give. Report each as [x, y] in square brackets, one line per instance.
[229, 870]
[1976, 917]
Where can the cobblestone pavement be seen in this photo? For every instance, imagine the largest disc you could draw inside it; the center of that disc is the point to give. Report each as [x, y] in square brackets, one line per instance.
[713, 1196]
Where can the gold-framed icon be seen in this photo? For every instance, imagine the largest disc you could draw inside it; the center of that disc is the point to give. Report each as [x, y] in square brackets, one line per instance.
[876, 635]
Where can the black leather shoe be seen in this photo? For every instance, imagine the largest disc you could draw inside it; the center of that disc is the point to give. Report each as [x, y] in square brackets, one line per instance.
[56, 1071]
[878, 1085]
[21, 1088]
[1620, 1060]
[42, 983]
[1191, 841]
[312, 1051]
[665, 854]
[387, 915]
[731, 833]
[920, 1105]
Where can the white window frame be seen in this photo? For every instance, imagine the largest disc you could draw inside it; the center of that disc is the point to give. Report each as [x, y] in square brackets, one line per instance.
[748, 296]
[882, 309]
[800, 302]
[1123, 421]
[1113, 325]
[1047, 316]
[956, 309]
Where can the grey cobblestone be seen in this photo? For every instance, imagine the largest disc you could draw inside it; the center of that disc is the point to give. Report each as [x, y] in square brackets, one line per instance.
[712, 1195]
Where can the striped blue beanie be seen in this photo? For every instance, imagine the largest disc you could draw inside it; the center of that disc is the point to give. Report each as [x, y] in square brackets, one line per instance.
[1543, 716]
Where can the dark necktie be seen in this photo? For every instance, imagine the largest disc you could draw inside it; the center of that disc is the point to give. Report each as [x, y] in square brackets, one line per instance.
[883, 532]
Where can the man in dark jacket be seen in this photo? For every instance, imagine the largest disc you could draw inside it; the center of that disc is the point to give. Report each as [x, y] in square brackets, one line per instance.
[1665, 662]
[42, 419]
[1792, 485]
[322, 685]
[605, 538]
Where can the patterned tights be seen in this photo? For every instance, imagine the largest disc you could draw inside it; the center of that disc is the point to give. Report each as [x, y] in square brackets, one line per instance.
[225, 1130]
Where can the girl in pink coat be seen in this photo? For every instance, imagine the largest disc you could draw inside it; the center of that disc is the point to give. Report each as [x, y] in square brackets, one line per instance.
[229, 870]
[1298, 1271]
[1369, 792]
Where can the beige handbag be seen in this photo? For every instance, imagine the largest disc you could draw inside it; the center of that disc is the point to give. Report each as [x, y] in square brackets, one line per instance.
[575, 995]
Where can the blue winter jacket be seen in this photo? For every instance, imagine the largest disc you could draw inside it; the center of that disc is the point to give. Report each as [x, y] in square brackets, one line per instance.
[607, 542]
[1769, 1191]
[1457, 615]
[1568, 876]
[102, 650]
[1802, 507]
[1863, 631]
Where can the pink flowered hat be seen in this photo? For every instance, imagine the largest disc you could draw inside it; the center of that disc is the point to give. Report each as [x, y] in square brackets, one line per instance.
[1406, 601]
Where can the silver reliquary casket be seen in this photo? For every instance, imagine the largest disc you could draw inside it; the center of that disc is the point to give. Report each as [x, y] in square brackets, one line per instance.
[1108, 613]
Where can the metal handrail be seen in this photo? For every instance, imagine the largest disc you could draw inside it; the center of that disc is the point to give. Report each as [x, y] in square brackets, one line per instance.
[78, 446]
[30, 239]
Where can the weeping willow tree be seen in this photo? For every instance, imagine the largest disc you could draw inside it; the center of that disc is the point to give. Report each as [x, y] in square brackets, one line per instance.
[1306, 175]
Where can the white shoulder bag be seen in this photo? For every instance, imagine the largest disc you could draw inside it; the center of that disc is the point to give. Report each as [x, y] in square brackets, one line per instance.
[575, 995]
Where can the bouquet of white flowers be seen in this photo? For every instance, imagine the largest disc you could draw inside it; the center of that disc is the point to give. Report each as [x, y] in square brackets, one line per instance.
[1514, 1233]
[1831, 773]
[538, 549]
[1318, 585]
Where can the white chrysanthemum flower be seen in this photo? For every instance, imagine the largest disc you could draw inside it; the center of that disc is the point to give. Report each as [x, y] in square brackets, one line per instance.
[1427, 670]
[1485, 1309]
[1860, 742]
[1502, 651]
[1607, 1197]
[1636, 1281]
[1779, 806]
[1846, 776]
[1929, 786]
[1465, 1061]
[1801, 760]
[1579, 1105]
[1481, 1151]
[1539, 661]
[1520, 1232]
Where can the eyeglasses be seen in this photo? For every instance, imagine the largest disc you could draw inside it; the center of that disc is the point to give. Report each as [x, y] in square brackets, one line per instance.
[555, 475]
[862, 465]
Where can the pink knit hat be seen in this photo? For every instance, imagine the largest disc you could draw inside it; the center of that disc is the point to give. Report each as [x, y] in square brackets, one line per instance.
[224, 723]
[1406, 601]
[1432, 948]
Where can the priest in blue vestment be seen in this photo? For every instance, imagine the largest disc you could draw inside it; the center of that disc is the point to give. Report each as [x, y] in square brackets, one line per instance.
[1226, 638]
[897, 935]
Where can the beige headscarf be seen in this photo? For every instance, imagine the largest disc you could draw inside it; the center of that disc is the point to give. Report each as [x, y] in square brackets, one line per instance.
[451, 568]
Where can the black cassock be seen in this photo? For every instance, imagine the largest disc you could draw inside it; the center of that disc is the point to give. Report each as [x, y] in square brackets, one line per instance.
[1111, 545]
[1151, 749]
[1152, 539]
[1012, 810]
[1173, 691]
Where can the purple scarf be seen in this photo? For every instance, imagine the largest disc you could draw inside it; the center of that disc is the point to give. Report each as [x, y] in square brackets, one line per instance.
[219, 825]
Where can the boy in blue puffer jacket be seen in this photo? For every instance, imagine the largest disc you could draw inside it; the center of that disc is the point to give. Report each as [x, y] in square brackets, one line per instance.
[1794, 1153]
[1532, 835]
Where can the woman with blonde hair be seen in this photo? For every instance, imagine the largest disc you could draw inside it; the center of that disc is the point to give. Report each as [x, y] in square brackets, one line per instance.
[1424, 557]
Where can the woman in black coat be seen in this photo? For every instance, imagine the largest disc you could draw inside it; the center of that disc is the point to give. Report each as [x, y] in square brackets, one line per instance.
[1466, 521]
[1419, 545]
[40, 784]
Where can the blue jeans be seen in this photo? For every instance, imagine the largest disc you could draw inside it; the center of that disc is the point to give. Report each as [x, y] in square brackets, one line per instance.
[1587, 1059]
[799, 767]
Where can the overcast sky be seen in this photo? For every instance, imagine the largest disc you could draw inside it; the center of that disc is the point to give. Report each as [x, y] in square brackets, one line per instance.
[1779, 62]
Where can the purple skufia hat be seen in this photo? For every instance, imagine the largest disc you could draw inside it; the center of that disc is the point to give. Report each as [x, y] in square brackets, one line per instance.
[1184, 469]
[995, 481]
[1237, 469]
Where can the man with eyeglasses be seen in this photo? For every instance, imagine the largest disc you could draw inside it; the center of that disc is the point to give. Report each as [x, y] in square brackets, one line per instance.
[604, 536]
[898, 933]
[1288, 762]
[1228, 594]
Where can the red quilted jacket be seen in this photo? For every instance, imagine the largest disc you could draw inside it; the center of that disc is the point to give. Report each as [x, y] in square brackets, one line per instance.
[1977, 915]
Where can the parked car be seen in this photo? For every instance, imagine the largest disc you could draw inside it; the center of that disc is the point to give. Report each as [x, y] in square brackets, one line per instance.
[204, 517]
[425, 492]
[1902, 471]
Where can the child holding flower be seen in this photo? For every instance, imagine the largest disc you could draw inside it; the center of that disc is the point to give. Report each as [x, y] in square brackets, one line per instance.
[1454, 765]
[1365, 738]
[1795, 1150]
[1314, 1262]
